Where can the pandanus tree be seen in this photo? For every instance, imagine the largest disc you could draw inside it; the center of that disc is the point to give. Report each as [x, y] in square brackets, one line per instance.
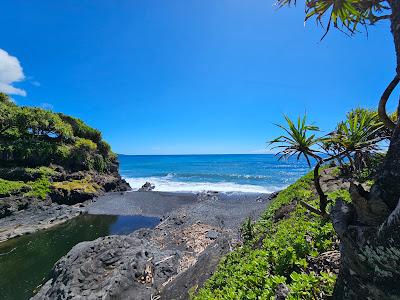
[354, 139]
[369, 227]
[300, 140]
[360, 134]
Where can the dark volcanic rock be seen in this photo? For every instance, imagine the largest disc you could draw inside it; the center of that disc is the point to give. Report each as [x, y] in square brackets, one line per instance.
[281, 292]
[147, 187]
[12, 204]
[163, 263]
[196, 276]
[284, 211]
[18, 173]
[111, 182]
[5, 209]
[93, 185]
[70, 197]
[120, 267]
[38, 216]
[212, 235]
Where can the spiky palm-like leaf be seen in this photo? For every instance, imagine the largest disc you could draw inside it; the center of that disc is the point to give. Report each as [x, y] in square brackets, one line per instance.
[361, 131]
[346, 15]
[298, 140]
[359, 136]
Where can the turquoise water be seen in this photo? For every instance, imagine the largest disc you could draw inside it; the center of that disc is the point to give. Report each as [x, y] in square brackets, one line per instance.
[225, 173]
[25, 262]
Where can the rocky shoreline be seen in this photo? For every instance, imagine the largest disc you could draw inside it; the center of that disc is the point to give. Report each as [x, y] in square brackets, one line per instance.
[162, 263]
[69, 196]
[37, 217]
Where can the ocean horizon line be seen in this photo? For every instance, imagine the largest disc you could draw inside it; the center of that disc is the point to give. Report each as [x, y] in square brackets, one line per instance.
[196, 154]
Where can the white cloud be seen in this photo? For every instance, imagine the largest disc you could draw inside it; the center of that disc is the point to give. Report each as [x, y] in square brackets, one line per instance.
[47, 106]
[10, 72]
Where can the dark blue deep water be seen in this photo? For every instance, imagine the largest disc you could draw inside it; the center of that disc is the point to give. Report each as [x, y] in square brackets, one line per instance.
[225, 173]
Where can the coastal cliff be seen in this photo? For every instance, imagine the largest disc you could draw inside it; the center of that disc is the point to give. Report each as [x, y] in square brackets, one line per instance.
[50, 163]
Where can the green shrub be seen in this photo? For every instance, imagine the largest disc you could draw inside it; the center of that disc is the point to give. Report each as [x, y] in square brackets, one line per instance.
[371, 169]
[254, 270]
[104, 148]
[8, 187]
[42, 171]
[32, 137]
[85, 185]
[339, 194]
[40, 187]
[82, 130]
[247, 230]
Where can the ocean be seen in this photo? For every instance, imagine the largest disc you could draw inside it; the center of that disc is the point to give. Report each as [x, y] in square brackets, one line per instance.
[247, 173]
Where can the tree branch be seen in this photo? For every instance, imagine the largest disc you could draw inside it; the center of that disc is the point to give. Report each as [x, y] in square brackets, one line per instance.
[310, 208]
[382, 103]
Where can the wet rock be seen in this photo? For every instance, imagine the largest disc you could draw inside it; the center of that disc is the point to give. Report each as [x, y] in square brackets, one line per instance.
[147, 187]
[34, 217]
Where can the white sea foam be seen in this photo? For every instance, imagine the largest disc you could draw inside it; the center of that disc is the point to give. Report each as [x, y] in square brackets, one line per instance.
[165, 184]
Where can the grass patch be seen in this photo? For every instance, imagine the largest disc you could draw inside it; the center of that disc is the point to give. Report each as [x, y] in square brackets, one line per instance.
[42, 171]
[8, 187]
[84, 185]
[277, 254]
[40, 187]
[339, 194]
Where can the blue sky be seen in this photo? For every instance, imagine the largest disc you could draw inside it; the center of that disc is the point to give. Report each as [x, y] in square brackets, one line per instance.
[181, 77]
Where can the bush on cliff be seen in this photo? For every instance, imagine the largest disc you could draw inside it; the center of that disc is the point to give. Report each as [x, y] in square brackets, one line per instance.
[32, 137]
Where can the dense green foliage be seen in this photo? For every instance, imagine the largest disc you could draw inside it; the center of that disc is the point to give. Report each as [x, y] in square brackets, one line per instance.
[38, 188]
[359, 137]
[277, 254]
[10, 187]
[32, 137]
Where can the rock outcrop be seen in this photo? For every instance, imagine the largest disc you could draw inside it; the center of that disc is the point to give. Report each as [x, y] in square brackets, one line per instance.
[23, 213]
[124, 267]
[162, 263]
[147, 187]
[36, 217]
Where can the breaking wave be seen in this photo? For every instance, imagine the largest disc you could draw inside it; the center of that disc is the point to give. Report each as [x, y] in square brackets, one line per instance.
[166, 184]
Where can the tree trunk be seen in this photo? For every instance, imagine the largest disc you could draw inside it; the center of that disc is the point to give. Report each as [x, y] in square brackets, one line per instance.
[369, 227]
[323, 200]
[387, 186]
[370, 254]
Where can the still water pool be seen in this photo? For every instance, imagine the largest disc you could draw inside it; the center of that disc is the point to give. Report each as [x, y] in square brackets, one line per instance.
[25, 262]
